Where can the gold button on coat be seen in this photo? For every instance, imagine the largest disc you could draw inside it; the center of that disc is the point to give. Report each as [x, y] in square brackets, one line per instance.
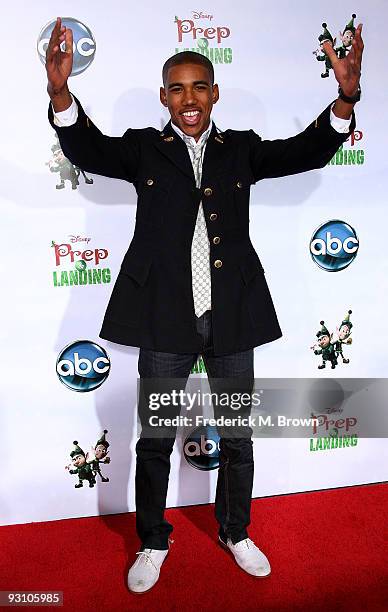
[213, 216]
[239, 184]
[208, 191]
[150, 182]
[218, 263]
[216, 240]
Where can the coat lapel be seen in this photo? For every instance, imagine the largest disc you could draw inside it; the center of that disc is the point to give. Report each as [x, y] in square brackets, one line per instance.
[172, 146]
[217, 149]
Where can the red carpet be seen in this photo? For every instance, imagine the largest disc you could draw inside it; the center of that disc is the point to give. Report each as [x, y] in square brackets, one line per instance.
[326, 550]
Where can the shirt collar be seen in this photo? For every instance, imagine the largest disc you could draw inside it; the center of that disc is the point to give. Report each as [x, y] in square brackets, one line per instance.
[192, 140]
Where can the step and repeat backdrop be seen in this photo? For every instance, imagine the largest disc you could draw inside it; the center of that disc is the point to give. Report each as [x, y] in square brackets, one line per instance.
[68, 398]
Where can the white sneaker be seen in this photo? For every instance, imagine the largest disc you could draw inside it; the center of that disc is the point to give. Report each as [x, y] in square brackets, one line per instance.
[249, 557]
[144, 573]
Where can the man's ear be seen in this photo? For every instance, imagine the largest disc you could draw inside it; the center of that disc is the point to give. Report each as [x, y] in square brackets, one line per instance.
[216, 93]
[163, 97]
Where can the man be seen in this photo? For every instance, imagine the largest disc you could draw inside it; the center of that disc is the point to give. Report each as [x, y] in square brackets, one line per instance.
[191, 282]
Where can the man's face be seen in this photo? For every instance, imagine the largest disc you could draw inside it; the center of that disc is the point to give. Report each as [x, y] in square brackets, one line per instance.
[189, 96]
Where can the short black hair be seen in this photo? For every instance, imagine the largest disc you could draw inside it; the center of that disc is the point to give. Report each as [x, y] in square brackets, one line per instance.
[187, 57]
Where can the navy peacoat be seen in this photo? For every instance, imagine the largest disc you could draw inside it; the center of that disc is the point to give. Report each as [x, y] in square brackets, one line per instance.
[151, 305]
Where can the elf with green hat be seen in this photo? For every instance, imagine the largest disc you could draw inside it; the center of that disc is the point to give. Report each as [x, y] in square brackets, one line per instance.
[99, 455]
[344, 331]
[67, 170]
[326, 348]
[325, 36]
[60, 163]
[347, 38]
[82, 468]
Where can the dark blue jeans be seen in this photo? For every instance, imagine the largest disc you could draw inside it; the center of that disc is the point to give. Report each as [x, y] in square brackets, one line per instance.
[235, 474]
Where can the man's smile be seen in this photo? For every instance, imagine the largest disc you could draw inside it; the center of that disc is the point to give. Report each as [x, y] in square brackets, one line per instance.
[191, 117]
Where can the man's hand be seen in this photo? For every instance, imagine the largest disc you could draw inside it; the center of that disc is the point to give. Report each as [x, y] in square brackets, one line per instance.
[348, 69]
[59, 65]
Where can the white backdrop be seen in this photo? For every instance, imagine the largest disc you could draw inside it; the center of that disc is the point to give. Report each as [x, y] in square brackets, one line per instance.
[272, 85]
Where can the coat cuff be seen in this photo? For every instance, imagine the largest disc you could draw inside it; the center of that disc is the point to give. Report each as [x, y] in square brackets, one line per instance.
[67, 117]
[323, 121]
[81, 118]
[340, 125]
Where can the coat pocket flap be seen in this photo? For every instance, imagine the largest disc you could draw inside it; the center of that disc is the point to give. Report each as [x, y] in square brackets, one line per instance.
[136, 267]
[250, 266]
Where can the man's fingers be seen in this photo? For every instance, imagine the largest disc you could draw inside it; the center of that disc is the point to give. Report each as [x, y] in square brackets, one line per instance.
[357, 42]
[356, 49]
[54, 36]
[354, 61]
[355, 67]
[51, 51]
[358, 46]
[56, 33]
[54, 47]
[328, 49]
[59, 35]
[69, 41]
[58, 24]
[358, 37]
[56, 30]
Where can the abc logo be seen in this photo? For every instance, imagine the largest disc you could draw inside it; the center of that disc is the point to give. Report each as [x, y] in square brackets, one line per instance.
[84, 45]
[83, 366]
[201, 448]
[334, 245]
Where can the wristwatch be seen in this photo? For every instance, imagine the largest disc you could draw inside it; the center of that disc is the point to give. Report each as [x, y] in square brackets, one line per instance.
[349, 99]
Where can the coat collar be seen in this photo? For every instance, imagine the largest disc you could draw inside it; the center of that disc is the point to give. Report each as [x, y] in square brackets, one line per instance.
[178, 131]
[172, 146]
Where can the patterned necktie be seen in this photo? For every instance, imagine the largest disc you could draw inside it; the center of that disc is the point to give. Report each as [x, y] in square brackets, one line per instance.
[200, 247]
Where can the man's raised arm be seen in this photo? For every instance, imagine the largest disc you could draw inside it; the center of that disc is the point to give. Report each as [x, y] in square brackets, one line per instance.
[316, 145]
[81, 141]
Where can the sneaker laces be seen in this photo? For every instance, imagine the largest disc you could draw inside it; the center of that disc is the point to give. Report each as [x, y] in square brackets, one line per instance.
[247, 542]
[147, 557]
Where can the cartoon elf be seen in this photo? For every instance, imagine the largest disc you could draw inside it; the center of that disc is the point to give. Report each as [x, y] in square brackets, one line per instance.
[344, 331]
[59, 163]
[67, 170]
[347, 38]
[326, 348]
[341, 51]
[325, 36]
[99, 455]
[81, 468]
